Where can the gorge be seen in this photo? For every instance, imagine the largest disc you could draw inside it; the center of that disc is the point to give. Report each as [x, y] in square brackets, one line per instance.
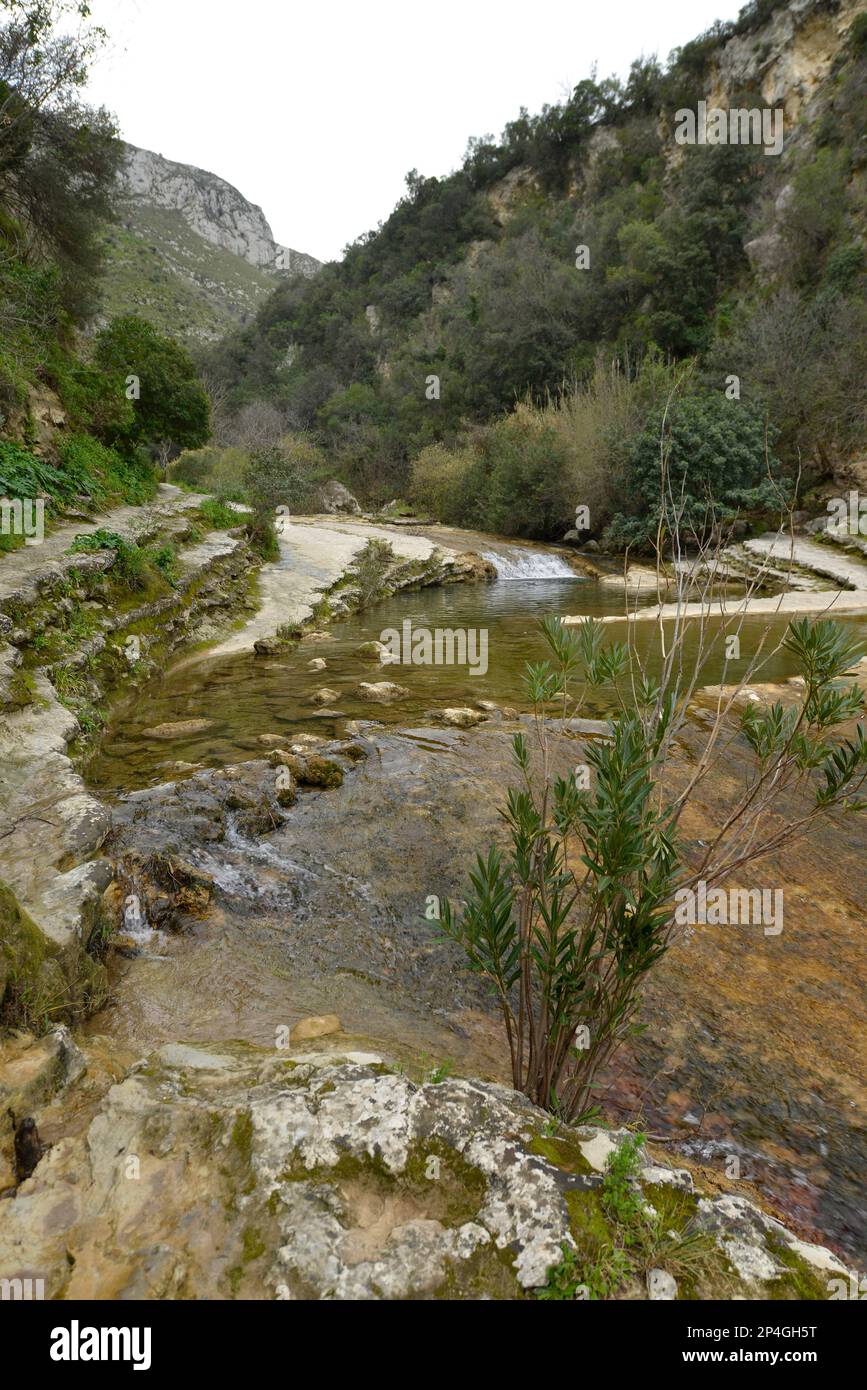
[432, 748]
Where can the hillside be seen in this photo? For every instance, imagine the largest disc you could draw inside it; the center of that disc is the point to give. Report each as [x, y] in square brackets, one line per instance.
[188, 251]
[701, 261]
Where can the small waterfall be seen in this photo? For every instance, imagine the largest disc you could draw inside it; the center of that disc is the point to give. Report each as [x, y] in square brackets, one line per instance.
[135, 919]
[515, 562]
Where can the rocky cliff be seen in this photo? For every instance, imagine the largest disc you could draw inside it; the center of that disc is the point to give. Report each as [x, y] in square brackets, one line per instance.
[209, 205]
[188, 251]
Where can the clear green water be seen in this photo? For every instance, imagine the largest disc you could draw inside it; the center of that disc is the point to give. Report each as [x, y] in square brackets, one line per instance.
[246, 696]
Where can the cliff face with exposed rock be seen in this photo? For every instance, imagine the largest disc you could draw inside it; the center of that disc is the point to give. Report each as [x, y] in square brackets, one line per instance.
[188, 251]
[789, 58]
[212, 208]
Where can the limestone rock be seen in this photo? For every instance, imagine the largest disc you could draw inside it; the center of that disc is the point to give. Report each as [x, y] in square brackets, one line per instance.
[461, 717]
[357, 1183]
[324, 697]
[310, 771]
[322, 772]
[179, 728]
[334, 498]
[374, 651]
[661, 1286]
[32, 1071]
[211, 207]
[381, 692]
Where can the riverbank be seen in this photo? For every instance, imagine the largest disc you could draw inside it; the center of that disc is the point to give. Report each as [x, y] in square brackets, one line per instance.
[282, 869]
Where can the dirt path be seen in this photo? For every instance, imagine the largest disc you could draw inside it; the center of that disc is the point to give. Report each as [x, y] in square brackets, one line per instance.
[22, 571]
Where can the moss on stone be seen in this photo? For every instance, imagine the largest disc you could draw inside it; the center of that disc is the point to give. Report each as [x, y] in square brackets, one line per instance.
[242, 1136]
[40, 985]
[801, 1280]
[563, 1151]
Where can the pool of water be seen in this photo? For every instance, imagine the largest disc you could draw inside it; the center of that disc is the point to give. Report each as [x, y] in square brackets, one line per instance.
[245, 696]
[752, 1048]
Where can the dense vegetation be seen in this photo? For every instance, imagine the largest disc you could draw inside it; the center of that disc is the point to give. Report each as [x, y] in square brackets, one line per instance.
[459, 356]
[128, 397]
[466, 356]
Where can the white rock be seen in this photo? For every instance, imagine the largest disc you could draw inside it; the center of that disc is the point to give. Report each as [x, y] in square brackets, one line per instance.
[661, 1286]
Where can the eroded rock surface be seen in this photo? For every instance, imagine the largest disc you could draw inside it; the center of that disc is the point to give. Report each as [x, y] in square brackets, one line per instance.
[230, 1172]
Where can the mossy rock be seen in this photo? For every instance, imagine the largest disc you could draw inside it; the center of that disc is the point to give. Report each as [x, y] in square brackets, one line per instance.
[40, 984]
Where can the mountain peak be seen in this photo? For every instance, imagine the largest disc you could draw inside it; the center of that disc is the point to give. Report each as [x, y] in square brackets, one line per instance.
[212, 207]
[188, 251]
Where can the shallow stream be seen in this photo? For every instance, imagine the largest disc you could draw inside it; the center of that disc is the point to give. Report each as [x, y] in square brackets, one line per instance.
[754, 1046]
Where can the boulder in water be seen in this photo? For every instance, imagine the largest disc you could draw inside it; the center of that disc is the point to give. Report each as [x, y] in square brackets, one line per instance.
[322, 772]
[381, 692]
[374, 651]
[461, 717]
[180, 728]
[310, 771]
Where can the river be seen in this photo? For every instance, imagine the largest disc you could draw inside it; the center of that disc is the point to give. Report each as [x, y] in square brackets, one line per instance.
[754, 1046]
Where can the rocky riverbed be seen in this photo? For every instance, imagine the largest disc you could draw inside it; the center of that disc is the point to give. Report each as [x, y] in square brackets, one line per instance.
[280, 891]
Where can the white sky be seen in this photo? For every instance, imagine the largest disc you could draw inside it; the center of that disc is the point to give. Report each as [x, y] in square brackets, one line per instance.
[317, 111]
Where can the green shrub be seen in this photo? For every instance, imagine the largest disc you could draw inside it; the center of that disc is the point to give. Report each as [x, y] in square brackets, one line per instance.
[285, 474]
[439, 479]
[212, 469]
[369, 568]
[102, 474]
[566, 921]
[24, 475]
[218, 515]
[262, 535]
[165, 559]
[94, 399]
[193, 467]
[130, 560]
[714, 451]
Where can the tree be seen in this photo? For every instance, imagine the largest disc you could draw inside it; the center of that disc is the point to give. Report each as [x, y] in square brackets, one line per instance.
[41, 68]
[710, 455]
[58, 158]
[803, 362]
[568, 921]
[171, 407]
[284, 474]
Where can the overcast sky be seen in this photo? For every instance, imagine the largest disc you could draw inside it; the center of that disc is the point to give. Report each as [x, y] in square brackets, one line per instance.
[316, 111]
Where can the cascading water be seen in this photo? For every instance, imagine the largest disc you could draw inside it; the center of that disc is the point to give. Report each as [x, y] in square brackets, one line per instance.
[516, 562]
[135, 921]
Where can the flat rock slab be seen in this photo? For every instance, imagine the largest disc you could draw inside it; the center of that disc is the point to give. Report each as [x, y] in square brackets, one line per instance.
[313, 556]
[357, 1183]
